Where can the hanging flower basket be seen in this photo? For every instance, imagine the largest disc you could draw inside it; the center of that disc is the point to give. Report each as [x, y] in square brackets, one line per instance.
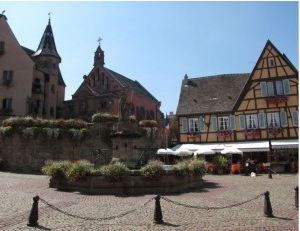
[148, 123]
[104, 117]
[277, 99]
[275, 131]
[252, 133]
[224, 133]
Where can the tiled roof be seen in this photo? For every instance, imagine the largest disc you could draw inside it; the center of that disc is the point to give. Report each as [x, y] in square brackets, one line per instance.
[28, 51]
[47, 44]
[134, 85]
[210, 94]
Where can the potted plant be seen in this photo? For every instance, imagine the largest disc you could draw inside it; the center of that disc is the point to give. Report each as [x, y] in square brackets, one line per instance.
[220, 163]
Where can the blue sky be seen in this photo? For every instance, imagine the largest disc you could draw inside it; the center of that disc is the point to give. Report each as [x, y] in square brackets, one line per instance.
[157, 43]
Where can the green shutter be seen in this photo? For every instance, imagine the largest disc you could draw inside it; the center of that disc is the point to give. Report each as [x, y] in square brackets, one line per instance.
[214, 124]
[242, 122]
[201, 124]
[286, 87]
[283, 119]
[232, 122]
[183, 125]
[263, 89]
[262, 120]
[295, 118]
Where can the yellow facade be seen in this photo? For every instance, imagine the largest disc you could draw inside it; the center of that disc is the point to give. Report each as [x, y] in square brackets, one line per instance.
[267, 107]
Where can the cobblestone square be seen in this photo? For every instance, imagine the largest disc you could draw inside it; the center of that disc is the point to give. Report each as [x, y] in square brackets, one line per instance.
[17, 191]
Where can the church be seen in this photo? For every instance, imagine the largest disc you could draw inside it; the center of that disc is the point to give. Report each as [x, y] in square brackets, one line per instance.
[106, 91]
[31, 82]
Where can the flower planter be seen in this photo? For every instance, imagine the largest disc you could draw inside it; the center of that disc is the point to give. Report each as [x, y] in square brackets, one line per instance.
[133, 184]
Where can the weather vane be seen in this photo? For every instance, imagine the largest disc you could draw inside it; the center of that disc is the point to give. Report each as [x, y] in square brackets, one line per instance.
[49, 14]
[99, 40]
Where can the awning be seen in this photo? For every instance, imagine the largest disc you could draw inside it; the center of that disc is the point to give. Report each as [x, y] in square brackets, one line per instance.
[249, 146]
[285, 144]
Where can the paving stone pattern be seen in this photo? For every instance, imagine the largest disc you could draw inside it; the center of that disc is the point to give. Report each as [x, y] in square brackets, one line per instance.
[17, 191]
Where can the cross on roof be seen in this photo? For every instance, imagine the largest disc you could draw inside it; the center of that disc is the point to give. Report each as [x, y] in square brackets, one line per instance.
[99, 40]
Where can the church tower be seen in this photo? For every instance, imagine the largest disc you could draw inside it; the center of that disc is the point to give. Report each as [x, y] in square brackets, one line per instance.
[99, 57]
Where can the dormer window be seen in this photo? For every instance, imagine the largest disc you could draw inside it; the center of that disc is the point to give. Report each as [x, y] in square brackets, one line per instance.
[2, 47]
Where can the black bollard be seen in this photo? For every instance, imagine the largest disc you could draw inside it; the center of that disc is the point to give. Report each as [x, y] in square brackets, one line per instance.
[296, 197]
[158, 218]
[270, 173]
[267, 205]
[34, 213]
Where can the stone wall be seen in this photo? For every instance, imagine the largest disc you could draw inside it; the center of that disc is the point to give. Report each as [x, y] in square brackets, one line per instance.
[29, 154]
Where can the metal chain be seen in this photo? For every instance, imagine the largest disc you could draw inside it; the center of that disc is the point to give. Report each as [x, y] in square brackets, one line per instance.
[95, 219]
[209, 208]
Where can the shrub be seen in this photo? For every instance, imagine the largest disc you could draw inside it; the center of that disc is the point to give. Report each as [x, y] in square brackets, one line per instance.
[6, 131]
[38, 122]
[30, 132]
[182, 168]
[104, 117]
[153, 170]
[114, 172]
[197, 167]
[220, 161]
[56, 168]
[79, 169]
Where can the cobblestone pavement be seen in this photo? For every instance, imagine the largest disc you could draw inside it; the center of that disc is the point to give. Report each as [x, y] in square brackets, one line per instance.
[17, 191]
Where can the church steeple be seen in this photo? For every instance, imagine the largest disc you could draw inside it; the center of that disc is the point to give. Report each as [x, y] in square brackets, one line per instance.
[47, 44]
[99, 56]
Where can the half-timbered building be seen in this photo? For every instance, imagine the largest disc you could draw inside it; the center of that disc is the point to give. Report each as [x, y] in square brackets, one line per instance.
[256, 112]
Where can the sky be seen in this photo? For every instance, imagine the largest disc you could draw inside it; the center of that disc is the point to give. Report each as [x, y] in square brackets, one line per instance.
[157, 43]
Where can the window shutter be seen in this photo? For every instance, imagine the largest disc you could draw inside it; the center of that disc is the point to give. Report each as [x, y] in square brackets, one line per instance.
[183, 125]
[283, 119]
[270, 88]
[201, 124]
[286, 87]
[242, 122]
[295, 118]
[232, 122]
[263, 89]
[279, 89]
[214, 124]
[262, 120]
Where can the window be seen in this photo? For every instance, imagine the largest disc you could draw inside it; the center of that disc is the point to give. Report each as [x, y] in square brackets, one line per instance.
[183, 125]
[7, 103]
[251, 121]
[193, 125]
[53, 88]
[7, 76]
[2, 46]
[223, 123]
[275, 88]
[273, 120]
[271, 63]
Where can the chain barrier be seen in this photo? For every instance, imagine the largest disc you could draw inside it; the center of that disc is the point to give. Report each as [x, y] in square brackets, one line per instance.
[211, 208]
[95, 219]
